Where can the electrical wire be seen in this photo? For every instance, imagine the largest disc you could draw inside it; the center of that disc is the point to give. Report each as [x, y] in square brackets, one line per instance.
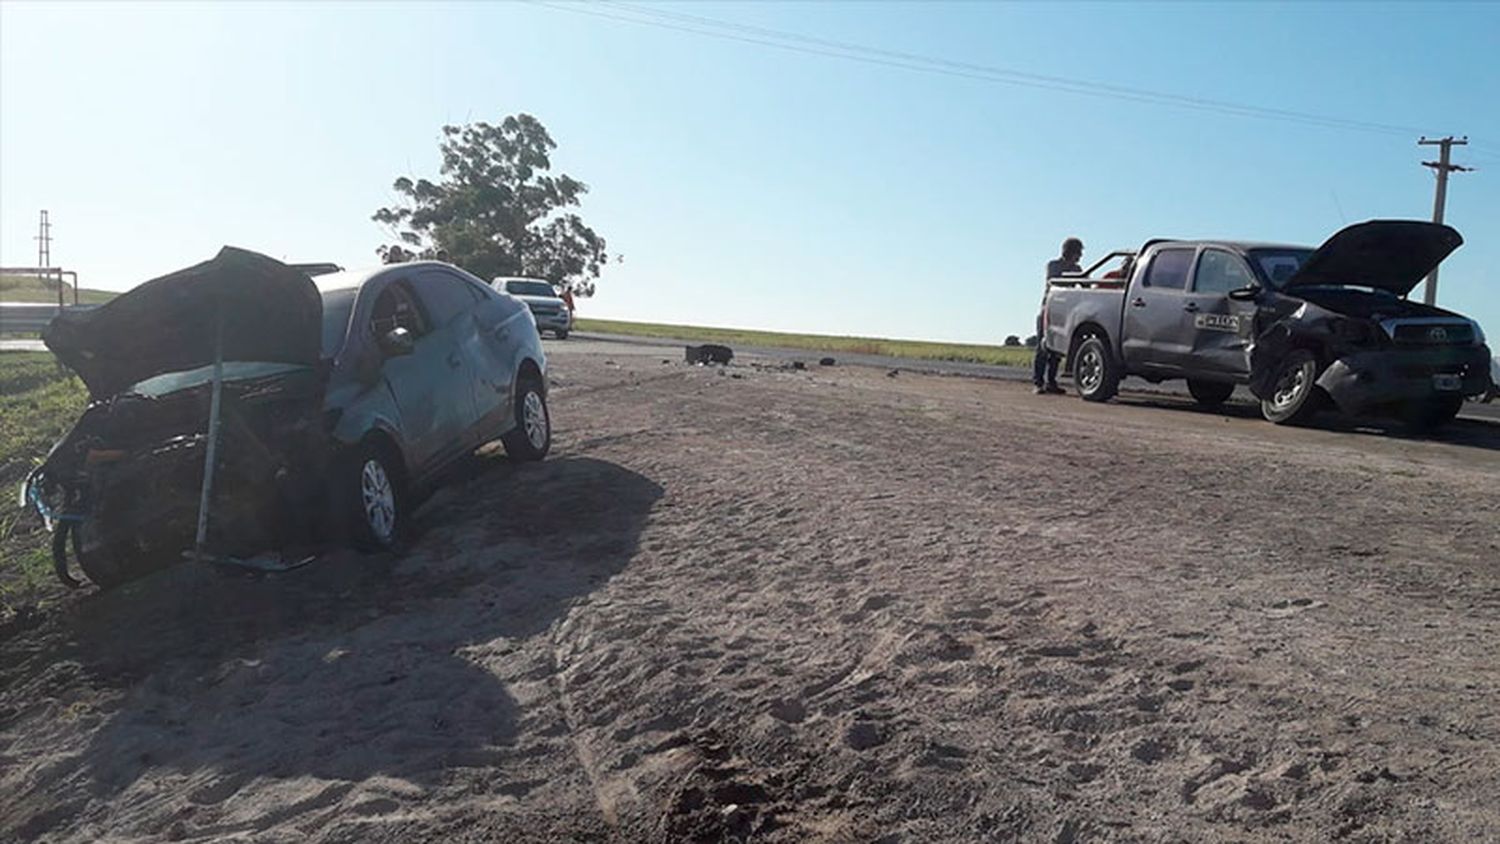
[794, 42]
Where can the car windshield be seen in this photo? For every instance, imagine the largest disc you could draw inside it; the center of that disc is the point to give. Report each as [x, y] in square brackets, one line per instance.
[336, 307]
[530, 288]
[1278, 265]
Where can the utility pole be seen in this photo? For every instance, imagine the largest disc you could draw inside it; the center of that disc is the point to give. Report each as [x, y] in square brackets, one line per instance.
[44, 253]
[1443, 167]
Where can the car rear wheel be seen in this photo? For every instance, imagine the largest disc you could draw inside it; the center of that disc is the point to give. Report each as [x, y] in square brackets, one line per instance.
[1210, 393]
[531, 438]
[1295, 395]
[1096, 376]
[1432, 414]
[561, 335]
[373, 500]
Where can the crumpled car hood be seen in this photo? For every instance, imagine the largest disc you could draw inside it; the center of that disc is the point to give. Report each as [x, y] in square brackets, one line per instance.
[272, 313]
[1392, 255]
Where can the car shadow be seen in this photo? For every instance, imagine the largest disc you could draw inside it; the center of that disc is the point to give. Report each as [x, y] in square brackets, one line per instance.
[351, 667]
[1466, 432]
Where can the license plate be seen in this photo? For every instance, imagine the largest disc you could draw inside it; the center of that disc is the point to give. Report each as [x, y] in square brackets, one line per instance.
[1447, 383]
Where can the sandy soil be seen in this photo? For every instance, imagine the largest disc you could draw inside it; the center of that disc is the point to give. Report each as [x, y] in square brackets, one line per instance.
[822, 605]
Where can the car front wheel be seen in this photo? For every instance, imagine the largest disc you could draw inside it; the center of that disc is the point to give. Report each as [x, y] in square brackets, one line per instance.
[372, 499]
[1295, 393]
[531, 438]
[1210, 393]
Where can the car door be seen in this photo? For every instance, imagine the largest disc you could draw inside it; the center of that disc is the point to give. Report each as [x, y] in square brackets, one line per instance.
[480, 340]
[1153, 339]
[1219, 326]
[414, 379]
[450, 305]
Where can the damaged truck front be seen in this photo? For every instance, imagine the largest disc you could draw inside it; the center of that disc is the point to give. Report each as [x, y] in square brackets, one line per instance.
[1299, 326]
[122, 490]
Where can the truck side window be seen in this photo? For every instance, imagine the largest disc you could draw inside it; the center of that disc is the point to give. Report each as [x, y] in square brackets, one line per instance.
[1169, 269]
[1220, 272]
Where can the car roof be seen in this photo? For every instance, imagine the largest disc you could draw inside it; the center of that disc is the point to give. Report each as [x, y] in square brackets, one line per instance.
[1232, 245]
[351, 279]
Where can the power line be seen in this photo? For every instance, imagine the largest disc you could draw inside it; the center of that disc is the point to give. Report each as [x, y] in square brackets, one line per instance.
[779, 39]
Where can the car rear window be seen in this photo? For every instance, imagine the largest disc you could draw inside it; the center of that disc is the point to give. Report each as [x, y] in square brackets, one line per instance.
[1169, 269]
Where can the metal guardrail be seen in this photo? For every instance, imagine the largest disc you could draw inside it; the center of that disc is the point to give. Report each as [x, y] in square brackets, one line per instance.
[30, 317]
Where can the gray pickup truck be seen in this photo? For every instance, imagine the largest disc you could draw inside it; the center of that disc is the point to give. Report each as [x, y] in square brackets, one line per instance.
[1299, 326]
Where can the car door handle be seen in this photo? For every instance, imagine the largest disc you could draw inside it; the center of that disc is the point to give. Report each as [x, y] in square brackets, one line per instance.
[1191, 307]
[1137, 302]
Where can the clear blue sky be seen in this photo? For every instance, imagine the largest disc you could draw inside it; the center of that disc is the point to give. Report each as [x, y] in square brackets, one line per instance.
[746, 185]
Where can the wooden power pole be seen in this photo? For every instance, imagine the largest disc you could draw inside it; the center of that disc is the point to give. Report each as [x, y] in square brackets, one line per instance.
[1443, 166]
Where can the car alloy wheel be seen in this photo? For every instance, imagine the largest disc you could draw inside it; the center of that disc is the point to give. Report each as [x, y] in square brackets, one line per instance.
[1090, 370]
[534, 414]
[379, 499]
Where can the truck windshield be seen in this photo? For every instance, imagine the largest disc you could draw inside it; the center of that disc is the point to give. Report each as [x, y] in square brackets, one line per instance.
[530, 288]
[1278, 265]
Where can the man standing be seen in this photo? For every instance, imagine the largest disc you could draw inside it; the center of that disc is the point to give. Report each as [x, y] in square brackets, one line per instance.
[1044, 365]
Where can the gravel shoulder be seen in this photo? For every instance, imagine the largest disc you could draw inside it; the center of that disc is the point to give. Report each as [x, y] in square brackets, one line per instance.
[817, 605]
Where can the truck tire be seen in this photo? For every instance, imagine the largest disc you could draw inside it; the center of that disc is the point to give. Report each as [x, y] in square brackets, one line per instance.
[531, 438]
[1431, 414]
[1096, 374]
[1210, 393]
[1295, 396]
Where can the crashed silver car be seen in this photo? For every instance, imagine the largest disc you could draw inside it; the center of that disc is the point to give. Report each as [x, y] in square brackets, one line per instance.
[1301, 327]
[336, 401]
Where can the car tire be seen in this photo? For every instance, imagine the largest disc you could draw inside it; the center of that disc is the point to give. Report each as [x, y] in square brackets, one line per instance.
[1210, 393]
[1295, 395]
[1096, 375]
[1432, 414]
[561, 335]
[531, 438]
[372, 498]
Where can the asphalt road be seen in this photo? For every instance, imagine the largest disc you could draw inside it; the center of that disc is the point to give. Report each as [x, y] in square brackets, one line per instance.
[644, 345]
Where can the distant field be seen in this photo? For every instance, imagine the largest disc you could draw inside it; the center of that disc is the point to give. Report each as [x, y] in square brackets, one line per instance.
[969, 353]
[25, 288]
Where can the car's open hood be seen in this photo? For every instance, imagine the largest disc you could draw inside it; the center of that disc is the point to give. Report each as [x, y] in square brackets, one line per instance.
[271, 313]
[1392, 255]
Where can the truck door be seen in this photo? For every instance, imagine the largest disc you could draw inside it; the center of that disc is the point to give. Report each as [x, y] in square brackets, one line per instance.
[1219, 326]
[1152, 337]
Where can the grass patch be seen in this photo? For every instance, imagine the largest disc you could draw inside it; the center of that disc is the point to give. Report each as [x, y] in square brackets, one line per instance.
[25, 288]
[39, 402]
[919, 349]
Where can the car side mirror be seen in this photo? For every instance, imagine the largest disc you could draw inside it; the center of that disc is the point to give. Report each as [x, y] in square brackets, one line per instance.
[1246, 293]
[397, 342]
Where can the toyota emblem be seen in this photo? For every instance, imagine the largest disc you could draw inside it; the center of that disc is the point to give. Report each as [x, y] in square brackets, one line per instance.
[1437, 335]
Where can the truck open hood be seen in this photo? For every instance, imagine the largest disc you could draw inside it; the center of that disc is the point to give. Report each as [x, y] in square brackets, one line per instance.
[1392, 255]
[271, 312]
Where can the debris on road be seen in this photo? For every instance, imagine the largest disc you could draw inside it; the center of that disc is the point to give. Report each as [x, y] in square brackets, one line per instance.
[708, 353]
[826, 362]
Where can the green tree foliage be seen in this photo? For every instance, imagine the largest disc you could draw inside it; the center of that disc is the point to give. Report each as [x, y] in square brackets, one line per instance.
[496, 210]
[1012, 340]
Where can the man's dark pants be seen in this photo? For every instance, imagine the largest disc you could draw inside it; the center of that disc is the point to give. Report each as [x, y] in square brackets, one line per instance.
[1044, 365]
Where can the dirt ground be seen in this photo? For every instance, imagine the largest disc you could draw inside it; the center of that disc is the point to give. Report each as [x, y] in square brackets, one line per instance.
[823, 605]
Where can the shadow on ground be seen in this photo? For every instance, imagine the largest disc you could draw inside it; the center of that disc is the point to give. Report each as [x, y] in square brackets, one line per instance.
[351, 667]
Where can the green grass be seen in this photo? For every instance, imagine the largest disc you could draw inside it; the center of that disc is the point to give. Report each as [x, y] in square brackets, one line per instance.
[39, 402]
[25, 288]
[923, 350]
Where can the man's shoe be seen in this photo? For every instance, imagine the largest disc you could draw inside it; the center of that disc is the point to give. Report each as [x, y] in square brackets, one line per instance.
[1053, 389]
[1040, 390]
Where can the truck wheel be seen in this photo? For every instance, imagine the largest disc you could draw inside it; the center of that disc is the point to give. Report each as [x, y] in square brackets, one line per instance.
[1432, 414]
[1095, 374]
[531, 438]
[372, 500]
[1210, 393]
[1294, 395]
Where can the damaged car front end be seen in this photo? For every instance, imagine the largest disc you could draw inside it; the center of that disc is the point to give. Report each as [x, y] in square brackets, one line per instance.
[1338, 320]
[122, 491]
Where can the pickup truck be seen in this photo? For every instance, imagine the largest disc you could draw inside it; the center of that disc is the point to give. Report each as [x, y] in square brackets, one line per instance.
[1299, 326]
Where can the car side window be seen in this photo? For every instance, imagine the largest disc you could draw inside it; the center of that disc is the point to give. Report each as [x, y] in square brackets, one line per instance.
[1220, 272]
[446, 296]
[396, 307]
[1169, 269]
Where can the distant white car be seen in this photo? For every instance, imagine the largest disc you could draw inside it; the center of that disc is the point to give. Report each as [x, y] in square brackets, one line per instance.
[550, 311]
